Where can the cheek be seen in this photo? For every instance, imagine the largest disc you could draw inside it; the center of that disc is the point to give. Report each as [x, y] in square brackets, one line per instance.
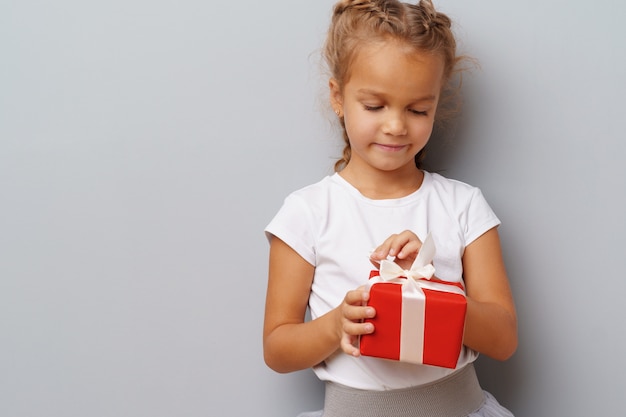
[359, 125]
[424, 128]
[359, 131]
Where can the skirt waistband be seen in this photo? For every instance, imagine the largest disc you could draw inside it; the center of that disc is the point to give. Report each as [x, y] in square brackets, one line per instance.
[457, 395]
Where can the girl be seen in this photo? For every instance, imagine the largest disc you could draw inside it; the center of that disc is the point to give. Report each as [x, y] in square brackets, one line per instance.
[389, 64]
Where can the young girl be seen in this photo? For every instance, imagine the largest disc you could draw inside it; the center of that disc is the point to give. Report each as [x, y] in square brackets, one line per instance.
[389, 64]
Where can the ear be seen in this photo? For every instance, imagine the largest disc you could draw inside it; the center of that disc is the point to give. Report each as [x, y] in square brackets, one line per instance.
[336, 96]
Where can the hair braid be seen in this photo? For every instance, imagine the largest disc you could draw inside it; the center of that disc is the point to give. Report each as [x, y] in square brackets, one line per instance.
[380, 9]
[346, 154]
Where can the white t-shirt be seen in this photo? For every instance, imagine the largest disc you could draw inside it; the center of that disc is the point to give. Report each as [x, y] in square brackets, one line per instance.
[334, 228]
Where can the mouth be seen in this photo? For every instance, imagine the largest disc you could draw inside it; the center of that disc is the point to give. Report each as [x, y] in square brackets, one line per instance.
[390, 148]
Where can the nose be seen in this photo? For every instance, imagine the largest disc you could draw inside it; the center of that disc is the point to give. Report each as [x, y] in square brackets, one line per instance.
[395, 124]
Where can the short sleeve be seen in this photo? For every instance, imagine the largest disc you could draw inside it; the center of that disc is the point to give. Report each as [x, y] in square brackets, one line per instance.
[294, 225]
[480, 217]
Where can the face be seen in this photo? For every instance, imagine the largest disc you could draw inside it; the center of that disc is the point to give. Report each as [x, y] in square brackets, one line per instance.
[388, 104]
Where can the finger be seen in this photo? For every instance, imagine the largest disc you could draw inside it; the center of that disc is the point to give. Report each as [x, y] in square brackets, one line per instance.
[402, 244]
[348, 345]
[410, 248]
[405, 244]
[351, 335]
[383, 250]
[355, 329]
[375, 263]
[356, 314]
[357, 297]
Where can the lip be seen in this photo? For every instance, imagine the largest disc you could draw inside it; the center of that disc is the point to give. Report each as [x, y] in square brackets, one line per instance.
[390, 147]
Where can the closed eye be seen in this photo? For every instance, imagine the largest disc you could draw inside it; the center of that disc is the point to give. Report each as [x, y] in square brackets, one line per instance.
[372, 108]
[418, 112]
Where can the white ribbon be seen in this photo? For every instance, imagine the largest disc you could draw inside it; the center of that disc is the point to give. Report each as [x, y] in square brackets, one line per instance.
[421, 268]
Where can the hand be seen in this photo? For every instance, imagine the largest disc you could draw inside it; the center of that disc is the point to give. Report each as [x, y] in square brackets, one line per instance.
[404, 246]
[352, 311]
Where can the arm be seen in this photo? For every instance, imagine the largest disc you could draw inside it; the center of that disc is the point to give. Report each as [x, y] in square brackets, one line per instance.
[290, 343]
[491, 322]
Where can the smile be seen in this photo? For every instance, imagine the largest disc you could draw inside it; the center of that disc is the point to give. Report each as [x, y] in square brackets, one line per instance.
[390, 148]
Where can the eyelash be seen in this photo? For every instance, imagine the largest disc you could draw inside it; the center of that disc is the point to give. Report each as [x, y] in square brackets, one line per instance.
[376, 108]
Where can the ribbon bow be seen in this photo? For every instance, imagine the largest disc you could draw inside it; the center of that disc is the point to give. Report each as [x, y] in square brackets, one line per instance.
[421, 268]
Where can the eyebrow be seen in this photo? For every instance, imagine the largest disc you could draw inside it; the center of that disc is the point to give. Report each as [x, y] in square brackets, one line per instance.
[367, 91]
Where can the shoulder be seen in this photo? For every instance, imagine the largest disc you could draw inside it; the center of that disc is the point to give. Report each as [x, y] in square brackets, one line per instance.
[319, 195]
[305, 204]
[448, 188]
[459, 199]
[457, 202]
[317, 189]
[303, 216]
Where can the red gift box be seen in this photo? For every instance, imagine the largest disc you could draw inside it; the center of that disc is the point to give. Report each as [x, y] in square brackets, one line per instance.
[421, 323]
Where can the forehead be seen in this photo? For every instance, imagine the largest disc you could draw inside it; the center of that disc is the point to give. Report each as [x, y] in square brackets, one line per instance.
[396, 69]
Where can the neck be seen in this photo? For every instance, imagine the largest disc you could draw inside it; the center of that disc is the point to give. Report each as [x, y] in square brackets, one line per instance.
[380, 185]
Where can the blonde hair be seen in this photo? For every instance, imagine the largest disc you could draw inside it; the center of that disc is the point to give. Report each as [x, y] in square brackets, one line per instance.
[356, 23]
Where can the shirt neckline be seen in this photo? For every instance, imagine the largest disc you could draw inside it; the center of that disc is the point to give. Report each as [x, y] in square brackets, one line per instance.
[400, 201]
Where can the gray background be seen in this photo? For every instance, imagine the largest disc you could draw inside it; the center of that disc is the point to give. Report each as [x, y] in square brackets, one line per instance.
[144, 145]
